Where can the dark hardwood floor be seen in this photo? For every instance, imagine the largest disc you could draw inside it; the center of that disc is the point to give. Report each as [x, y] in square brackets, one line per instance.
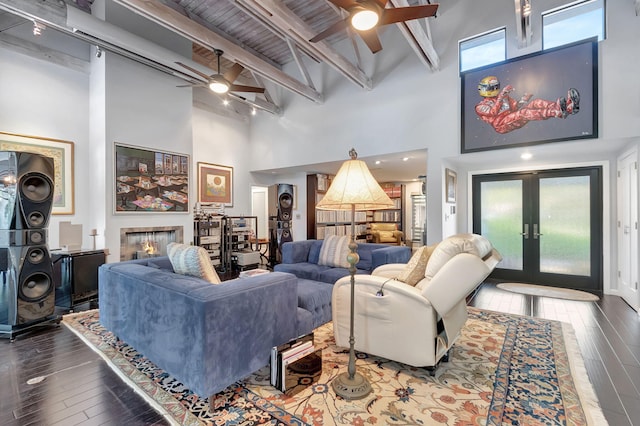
[80, 389]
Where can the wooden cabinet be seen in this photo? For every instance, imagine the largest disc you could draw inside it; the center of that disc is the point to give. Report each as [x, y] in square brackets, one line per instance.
[396, 214]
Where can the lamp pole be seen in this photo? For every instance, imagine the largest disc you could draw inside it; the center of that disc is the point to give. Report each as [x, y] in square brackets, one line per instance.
[352, 385]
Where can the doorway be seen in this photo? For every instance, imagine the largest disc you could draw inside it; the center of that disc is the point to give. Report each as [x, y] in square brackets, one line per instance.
[628, 229]
[546, 224]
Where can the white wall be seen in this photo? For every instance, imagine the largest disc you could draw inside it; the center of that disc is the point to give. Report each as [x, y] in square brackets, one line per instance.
[50, 101]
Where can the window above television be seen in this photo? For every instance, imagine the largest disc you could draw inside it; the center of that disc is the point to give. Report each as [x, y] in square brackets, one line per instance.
[574, 22]
[483, 49]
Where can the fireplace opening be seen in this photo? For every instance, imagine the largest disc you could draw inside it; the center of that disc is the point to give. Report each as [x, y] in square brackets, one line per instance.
[145, 242]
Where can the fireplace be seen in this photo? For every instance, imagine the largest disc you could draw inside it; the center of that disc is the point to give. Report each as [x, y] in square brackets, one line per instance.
[144, 242]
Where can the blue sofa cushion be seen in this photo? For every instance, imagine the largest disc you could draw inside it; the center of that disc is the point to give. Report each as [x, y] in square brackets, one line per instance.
[315, 297]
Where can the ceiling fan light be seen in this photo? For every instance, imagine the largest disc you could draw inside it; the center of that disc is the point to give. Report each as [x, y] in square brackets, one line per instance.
[364, 19]
[219, 85]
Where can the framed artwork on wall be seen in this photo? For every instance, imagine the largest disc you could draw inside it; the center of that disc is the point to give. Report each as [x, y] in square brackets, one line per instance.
[62, 154]
[451, 181]
[150, 181]
[548, 96]
[215, 184]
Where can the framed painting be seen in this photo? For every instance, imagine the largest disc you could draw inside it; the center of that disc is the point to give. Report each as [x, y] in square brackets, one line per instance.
[215, 184]
[548, 96]
[150, 180]
[451, 181]
[62, 154]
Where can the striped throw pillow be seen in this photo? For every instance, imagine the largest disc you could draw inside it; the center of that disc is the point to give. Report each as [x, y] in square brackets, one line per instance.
[192, 260]
[334, 252]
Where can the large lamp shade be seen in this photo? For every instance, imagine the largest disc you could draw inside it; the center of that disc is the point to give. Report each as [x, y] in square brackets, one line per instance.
[354, 187]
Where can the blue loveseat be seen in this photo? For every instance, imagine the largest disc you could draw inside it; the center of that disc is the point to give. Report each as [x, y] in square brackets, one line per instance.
[206, 335]
[301, 259]
[315, 282]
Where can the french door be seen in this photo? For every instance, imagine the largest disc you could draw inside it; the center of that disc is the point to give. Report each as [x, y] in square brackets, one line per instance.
[546, 224]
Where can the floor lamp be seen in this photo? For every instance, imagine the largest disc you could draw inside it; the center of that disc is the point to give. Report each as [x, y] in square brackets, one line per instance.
[353, 188]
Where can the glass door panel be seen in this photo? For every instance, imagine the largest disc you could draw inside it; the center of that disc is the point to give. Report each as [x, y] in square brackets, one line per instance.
[546, 224]
[565, 225]
[501, 221]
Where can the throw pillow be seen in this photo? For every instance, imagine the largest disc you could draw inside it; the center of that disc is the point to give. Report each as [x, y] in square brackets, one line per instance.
[414, 271]
[334, 252]
[192, 260]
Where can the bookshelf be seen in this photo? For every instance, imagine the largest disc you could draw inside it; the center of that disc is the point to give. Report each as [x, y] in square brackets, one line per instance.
[322, 223]
[396, 214]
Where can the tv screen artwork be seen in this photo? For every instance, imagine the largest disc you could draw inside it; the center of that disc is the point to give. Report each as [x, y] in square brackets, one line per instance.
[550, 96]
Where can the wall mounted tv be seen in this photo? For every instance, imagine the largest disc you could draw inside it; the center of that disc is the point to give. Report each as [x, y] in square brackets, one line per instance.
[549, 96]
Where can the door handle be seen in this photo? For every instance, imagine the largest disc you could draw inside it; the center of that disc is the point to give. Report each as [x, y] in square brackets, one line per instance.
[536, 234]
[525, 234]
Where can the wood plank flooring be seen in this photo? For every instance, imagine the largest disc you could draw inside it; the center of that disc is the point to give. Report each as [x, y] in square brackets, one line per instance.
[80, 389]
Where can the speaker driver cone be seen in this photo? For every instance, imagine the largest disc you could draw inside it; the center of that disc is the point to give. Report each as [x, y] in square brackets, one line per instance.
[35, 188]
[35, 287]
[36, 219]
[35, 256]
[286, 201]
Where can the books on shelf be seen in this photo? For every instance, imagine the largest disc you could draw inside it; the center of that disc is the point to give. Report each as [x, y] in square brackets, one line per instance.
[294, 360]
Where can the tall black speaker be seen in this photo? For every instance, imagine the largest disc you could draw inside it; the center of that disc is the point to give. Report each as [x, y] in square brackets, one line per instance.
[26, 189]
[280, 215]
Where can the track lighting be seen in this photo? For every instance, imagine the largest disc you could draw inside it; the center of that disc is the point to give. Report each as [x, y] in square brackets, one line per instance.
[253, 111]
[98, 52]
[38, 28]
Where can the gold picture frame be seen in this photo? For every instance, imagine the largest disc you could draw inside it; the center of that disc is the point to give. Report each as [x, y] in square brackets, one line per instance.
[62, 153]
[451, 181]
[215, 184]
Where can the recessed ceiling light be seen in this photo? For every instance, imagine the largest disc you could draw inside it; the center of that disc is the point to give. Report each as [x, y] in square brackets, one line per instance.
[526, 156]
[405, 159]
[378, 161]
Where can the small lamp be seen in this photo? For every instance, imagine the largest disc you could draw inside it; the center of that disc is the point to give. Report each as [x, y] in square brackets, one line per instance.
[353, 188]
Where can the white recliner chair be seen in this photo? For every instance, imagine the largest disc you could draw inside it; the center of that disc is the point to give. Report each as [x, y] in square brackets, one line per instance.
[415, 325]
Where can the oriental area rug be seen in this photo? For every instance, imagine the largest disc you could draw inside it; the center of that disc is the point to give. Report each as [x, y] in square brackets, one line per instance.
[504, 369]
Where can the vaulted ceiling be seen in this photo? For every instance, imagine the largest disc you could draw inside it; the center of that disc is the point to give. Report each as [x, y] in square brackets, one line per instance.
[265, 36]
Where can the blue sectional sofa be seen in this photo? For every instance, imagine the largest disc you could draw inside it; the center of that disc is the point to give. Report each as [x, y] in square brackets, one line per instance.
[315, 282]
[206, 335]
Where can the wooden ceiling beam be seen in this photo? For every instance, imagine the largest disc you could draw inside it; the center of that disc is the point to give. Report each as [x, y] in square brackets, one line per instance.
[289, 23]
[180, 24]
[419, 40]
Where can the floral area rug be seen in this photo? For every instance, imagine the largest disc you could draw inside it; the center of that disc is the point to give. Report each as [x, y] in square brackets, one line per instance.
[504, 369]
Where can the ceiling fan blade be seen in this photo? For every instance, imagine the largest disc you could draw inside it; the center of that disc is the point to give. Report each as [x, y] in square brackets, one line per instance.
[241, 88]
[195, 71]
[232, 73]
[346, 4]
[194, 85]
[333, 29]
[381, 3]
[371, 39]
[401, 14]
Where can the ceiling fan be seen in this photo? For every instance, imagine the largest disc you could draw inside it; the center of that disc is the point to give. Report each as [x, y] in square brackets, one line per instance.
[222, 83]
[366, 15]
